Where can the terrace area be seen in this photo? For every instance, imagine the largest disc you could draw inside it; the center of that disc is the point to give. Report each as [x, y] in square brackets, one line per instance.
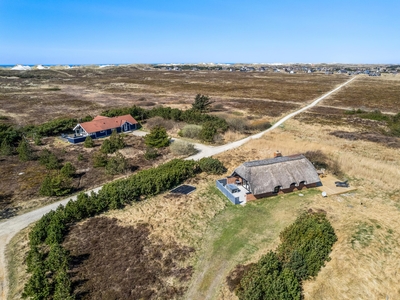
[236, 194]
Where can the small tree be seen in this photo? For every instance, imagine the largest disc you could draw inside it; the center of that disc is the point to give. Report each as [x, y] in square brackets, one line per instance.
[117, 140]
[49, 160]
[55, 185]
[202, 103]
[88, 142]
[116, 164]
[112, 144]
[151, 154]
[157, 138]
[99, 160]
[68, 170]
[208, 131]
[6, 148]
[24, 150]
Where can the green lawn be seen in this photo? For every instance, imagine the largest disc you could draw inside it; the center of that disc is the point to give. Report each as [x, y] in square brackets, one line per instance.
[240, 234]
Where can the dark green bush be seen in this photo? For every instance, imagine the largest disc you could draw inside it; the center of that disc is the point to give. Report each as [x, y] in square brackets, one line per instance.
[116, 164]
[157, 138]
[306, 244]
[49, 160]
[211, 166]
[68, 170]
[88, 143]
[268, 279]
[99, 160]
[304, 249]
[55, 184]
[25, 150]
[114, 143]
[208, 131]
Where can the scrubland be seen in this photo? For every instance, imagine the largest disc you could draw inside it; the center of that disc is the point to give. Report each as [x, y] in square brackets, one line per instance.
[211, 235]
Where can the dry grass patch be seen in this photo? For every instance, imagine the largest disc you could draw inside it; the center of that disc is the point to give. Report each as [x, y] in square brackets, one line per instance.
[16, 252]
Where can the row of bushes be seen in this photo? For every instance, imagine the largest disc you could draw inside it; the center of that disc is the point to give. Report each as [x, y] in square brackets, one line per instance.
[48, 261]
[304, 249]
[190, 116]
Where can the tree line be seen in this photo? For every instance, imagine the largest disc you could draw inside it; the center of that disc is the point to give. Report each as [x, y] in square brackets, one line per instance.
[48, 261]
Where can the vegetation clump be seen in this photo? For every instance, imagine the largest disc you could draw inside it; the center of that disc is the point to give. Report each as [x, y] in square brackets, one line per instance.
[88, 143]
[182, 148]
[202, 103]
[212, 166]
[157, 138]
[304, 249]
[190, 131]
[24, 150]
[116, 164]
[114, 143]
[49, 160]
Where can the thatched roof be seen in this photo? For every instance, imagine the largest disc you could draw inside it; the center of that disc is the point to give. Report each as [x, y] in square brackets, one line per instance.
[264, 175]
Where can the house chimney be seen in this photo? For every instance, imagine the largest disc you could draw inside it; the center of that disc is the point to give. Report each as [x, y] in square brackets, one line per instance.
[277, 154]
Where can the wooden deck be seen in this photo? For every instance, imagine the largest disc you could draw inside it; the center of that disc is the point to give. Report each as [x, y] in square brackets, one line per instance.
[328, 186]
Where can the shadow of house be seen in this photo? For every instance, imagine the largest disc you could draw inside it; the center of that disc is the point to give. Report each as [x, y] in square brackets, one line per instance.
[270, 177]
[101, 127]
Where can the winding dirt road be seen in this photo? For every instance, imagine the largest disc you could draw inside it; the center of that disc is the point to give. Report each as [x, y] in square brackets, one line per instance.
[12, 226]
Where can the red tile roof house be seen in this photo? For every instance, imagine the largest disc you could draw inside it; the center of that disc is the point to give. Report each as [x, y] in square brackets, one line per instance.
[102, 126]
[269, 177]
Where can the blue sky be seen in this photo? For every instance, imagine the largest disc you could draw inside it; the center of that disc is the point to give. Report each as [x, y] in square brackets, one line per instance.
[149, 31]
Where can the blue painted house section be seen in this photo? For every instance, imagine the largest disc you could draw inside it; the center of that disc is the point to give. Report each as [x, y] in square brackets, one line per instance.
[101, 127]
[225, 189]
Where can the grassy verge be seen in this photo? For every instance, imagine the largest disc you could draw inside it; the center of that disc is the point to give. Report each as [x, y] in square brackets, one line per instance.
[16, 252]
[242, 234]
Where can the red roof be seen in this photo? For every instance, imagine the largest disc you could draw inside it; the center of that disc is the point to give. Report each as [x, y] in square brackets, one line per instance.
[101, 123]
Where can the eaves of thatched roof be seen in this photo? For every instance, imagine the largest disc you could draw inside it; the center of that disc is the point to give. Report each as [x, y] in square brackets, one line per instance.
[264, 175]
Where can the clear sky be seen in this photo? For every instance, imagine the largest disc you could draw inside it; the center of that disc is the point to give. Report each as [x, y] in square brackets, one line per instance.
[150, 31]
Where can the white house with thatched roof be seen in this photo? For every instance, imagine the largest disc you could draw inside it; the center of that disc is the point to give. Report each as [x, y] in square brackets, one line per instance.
[269, 177]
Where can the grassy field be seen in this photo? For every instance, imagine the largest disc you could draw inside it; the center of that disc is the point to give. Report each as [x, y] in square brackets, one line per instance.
[242, 234]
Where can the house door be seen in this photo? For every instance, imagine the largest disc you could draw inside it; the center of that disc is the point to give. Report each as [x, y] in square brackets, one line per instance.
[125, 127]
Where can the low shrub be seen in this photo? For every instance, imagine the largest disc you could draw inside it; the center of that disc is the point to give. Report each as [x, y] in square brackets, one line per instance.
[88, 142]
[190, 131]
[212, 166]
[151, 153]
[116, 164]
[182, 148]
[49, 160]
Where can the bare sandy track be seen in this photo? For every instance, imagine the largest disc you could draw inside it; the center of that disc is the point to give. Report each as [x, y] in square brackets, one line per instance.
[12, 226]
